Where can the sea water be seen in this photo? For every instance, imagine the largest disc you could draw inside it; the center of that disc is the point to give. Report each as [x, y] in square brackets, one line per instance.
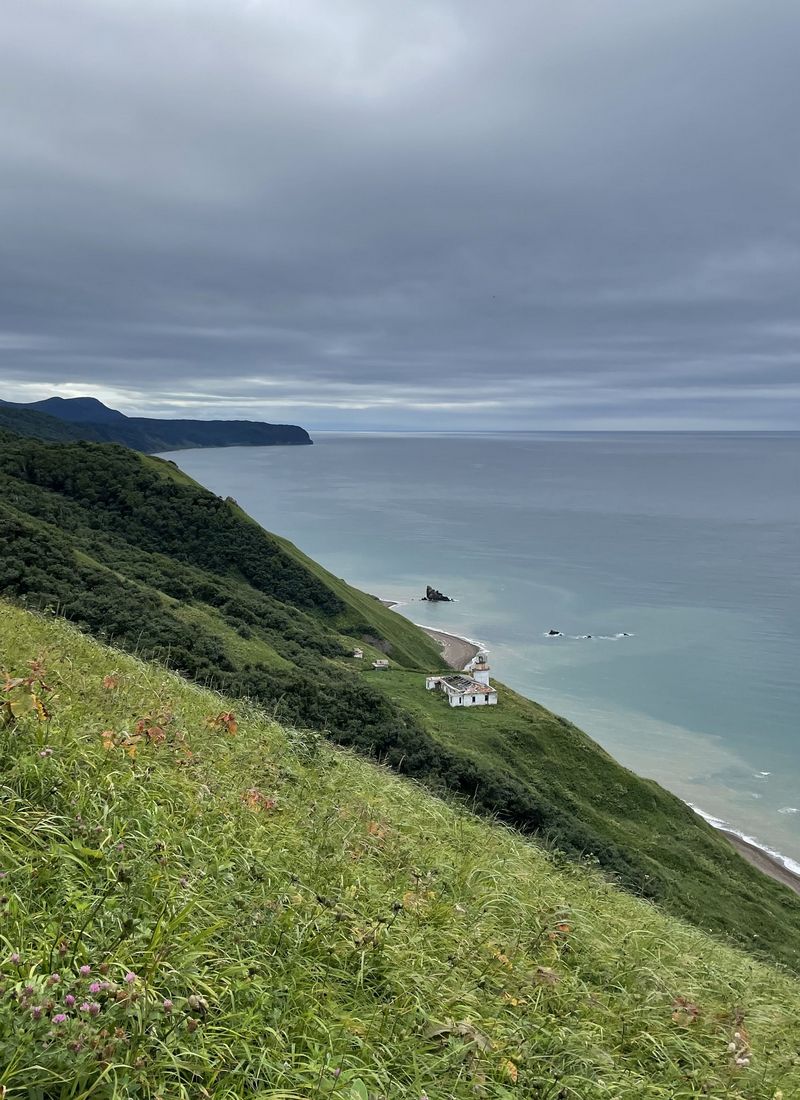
[668, 564]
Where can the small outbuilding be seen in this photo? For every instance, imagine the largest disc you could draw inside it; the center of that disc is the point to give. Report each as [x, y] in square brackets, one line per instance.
[381, 663]
[359, 654]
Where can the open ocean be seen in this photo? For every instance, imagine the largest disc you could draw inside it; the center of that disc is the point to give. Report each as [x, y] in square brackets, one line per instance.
[688, 543]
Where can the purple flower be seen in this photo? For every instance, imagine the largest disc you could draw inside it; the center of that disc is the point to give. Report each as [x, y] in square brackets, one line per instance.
[60, 1018]
[105, 985]
[95, 987]
[36, 1012]
[85, 1007]
[46, 752]
[54, 979]
[15, 959]
[94, 1009]
[167, 1005]
[130, 977]
[85, 971]
[69, 1000]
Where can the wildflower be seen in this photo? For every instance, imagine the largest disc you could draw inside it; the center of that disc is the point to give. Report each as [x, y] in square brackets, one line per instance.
[60, 1018]
[94, 1009]
[36, 1012]
[63, 948]
[15, 958]
[85, 971]
[95, 987]
[337, 1072]
[167, 1004]
[105, 985]
[69, 1000]
[191, 1024]
[46, 752]
[85, 1007]
[28, 991]
[54, 979]
[183, 881]
[130, 977]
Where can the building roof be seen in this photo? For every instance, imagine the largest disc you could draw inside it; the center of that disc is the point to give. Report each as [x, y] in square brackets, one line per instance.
[462, 685]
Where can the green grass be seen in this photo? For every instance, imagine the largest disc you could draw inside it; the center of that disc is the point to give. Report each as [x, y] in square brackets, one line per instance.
[695, 871]
[317, 926]
[136, 553]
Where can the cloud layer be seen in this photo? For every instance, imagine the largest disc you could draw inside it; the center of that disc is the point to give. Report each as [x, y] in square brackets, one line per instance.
[445, 214]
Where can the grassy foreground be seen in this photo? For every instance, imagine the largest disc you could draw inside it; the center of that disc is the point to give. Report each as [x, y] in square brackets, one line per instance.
[199, 903]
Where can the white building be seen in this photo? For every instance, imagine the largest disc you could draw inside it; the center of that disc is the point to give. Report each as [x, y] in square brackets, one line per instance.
[380, 664]
[359, 654]
[470, 688]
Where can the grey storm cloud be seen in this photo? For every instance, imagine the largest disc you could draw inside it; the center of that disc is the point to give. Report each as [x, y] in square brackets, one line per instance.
[370, 214]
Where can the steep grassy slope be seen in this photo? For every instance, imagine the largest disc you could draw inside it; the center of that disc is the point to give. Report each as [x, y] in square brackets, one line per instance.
[200, 903]
[688, 866]
[134, 551]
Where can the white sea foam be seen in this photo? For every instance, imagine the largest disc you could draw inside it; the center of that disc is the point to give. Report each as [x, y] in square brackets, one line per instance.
[592, 637]
[790, 864]
[789, 810]
[761, 775]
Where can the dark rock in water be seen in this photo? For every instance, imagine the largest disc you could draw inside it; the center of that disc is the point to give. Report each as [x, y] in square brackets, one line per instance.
[435, 596]
[553, 633]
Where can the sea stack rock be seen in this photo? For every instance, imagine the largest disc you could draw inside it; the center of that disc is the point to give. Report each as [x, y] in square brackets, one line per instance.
[435, 596]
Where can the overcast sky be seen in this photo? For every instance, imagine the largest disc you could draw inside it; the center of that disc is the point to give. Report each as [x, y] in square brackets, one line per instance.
[372, 214]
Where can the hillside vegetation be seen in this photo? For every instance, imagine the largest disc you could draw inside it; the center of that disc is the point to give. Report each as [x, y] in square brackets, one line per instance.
[37, 425]
[133, 551]
[200, 903]
[89, 419]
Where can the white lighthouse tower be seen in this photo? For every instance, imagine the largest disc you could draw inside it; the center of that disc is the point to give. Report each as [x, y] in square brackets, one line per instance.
[480, 669]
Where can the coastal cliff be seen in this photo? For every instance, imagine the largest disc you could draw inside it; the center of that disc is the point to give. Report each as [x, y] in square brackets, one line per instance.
[86, 418]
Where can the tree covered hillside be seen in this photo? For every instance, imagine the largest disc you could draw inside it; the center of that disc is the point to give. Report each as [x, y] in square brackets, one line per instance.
[136, 553]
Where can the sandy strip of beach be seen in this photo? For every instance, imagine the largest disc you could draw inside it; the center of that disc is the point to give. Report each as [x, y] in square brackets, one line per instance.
[457, 652]
[764, 861]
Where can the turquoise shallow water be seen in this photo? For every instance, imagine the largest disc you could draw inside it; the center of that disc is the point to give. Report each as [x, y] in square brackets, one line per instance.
[689, 543]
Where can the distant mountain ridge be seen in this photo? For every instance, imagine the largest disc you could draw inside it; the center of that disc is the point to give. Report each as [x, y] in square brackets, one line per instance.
[86, 418]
